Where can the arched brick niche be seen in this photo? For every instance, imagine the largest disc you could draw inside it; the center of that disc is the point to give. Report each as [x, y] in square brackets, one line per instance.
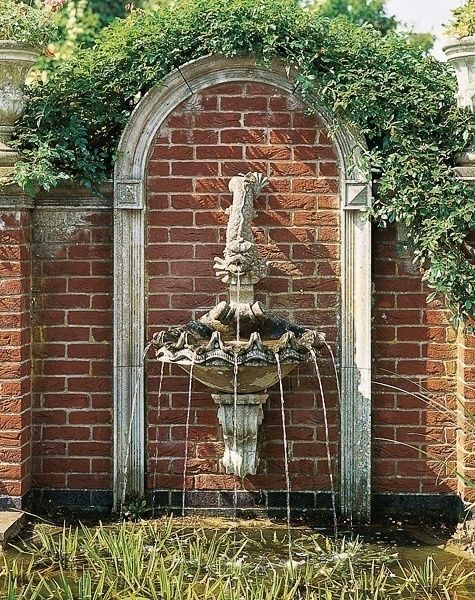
[222, 131]
[212, 119]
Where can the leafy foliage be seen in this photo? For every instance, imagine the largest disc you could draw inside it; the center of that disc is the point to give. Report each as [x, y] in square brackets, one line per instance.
[463, 23]
[402, 101]
[30, 25]
[359, 12]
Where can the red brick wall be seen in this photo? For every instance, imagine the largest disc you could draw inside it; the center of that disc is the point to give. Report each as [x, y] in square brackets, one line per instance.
[15, 353]
[415, 350]
[72, 346]
[224, 131]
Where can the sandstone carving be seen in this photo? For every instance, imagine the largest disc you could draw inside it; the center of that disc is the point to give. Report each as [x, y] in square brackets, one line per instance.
[239, 349]
[241, 259]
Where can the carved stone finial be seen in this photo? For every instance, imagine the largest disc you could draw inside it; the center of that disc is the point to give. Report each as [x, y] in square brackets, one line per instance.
[241, 260]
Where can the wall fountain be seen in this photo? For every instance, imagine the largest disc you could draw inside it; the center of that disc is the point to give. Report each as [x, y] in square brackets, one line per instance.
[239, 349]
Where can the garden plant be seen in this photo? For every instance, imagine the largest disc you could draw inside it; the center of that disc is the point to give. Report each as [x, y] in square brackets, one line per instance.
[27, 24]
[401, 99]
[169, 560]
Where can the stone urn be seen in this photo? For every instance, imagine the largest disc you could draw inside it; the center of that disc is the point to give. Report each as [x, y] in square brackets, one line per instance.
[16, 59]
[461, 55]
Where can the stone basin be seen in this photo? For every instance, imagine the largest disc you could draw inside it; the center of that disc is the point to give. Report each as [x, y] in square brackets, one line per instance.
[251, 379]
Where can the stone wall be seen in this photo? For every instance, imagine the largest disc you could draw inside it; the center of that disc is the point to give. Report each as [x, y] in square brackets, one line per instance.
[15, 356]
[56, 317]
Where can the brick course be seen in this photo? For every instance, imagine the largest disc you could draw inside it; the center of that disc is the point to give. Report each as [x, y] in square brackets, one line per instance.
[72, 348]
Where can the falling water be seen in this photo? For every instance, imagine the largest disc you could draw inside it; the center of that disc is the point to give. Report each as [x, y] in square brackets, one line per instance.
[286, 454]
[327, 442]
[159, 407]
[337, 379]
[187, 431]
[236, 369]
[238, 301]
[138, 383]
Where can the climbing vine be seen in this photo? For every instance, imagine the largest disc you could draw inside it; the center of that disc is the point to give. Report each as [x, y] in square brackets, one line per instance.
[402, 100]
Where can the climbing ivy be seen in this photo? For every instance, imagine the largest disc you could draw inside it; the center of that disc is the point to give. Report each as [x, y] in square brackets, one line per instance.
[402, 100]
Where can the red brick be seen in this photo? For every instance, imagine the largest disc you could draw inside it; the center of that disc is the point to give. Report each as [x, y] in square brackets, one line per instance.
[275, 120]
[171, 251]
[172, 152]
[277, 153]
[194, 136]
[66, 465]
[196, 168]
[218, 119]
[170, 184]
[243, 136]
[240, 103]
[226, 151]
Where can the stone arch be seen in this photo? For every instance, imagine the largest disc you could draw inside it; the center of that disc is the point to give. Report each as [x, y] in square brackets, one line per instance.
[129, 274]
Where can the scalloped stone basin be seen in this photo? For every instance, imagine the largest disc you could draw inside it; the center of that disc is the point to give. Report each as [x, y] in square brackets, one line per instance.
[251, 379]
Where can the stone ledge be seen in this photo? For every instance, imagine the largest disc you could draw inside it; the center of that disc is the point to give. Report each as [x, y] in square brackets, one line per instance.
[14, 198]
[10, 526]
[69, 195]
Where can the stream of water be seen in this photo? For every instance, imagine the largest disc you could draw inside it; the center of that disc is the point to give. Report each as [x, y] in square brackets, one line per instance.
[236, 370]
[238, 301]
[187, 433]
[327, 442]
[286, 455]
[159, 408]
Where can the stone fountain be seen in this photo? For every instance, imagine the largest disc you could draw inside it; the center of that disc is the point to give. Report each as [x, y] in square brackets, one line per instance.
[239, 349]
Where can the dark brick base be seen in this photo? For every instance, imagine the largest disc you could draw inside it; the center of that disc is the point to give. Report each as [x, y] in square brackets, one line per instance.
[56, 502]
[11, 503]
[248, 504]
[304, 505]
[446, 508]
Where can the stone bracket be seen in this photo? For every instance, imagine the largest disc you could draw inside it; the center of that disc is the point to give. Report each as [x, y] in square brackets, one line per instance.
[240, 418]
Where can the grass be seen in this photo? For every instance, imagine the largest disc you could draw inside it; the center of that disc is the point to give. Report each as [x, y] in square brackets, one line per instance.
[162, 560]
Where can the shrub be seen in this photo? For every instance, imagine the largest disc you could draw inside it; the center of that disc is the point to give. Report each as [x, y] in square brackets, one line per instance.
[401, 99]
[463, 23]
[27, 24]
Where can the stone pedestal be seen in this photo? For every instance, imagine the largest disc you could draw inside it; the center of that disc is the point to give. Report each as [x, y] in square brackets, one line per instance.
[240, 417]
